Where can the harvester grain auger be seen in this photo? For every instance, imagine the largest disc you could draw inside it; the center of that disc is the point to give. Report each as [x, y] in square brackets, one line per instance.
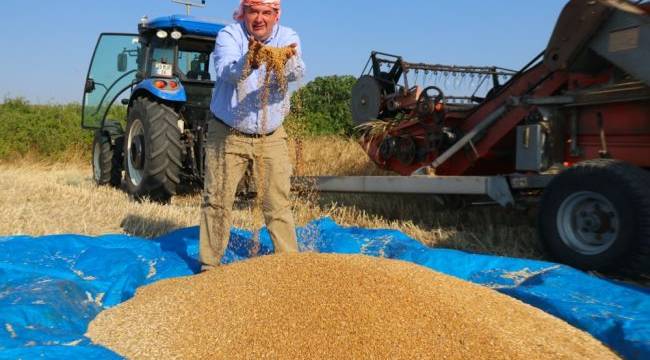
[572, 126]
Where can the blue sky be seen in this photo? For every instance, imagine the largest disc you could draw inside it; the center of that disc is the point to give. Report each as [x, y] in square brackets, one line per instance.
[47, 44]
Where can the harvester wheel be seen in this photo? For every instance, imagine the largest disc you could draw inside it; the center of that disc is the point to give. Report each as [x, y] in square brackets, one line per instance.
[107, 155]
[153, 151]
[596, 216]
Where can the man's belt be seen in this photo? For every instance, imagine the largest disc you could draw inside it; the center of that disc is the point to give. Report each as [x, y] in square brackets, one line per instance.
[239, 133]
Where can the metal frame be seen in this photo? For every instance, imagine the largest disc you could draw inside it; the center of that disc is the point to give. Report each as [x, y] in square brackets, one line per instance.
[498, 188]
[92, 59]
[189, 4]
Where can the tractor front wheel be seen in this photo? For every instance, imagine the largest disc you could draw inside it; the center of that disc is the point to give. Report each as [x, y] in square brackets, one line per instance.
[596, 216]
[153, 151]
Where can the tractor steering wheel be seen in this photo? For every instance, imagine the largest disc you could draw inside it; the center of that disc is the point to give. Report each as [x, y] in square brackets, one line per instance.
[426, 105]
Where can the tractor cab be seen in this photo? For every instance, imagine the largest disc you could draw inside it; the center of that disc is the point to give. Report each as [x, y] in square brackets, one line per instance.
[162, 77]
[176, 62]
[168, 58]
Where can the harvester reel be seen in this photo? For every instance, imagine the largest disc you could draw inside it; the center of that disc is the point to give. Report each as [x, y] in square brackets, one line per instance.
[366, 100]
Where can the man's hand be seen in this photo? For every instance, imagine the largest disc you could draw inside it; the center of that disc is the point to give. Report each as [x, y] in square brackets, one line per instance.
[293, 52]
[254, 47]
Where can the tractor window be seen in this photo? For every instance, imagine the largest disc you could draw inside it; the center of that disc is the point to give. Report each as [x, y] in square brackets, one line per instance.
[194, 59]
[195, 66]
[162, 58]
[162, 62]
[112, 71]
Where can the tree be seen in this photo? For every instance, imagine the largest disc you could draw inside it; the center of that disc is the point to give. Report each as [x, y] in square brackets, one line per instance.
[322, 107]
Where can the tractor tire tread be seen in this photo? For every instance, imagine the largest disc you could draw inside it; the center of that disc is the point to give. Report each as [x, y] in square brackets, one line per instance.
[634, 182]
[164, 162]
[109, 161]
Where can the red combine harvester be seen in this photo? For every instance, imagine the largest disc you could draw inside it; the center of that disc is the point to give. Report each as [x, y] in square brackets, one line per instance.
[572, 128]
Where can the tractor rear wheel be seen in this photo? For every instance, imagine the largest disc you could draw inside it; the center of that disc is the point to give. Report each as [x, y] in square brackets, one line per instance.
[596, 216]
[153, 151]
[107, 155]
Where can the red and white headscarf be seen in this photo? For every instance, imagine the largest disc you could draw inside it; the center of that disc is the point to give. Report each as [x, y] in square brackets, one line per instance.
[239, 12]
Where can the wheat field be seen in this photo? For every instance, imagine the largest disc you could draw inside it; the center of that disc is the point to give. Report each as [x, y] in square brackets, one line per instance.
[41, 198]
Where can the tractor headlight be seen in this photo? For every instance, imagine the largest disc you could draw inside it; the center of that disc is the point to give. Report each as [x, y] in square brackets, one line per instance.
[176, 35]
[161, 34]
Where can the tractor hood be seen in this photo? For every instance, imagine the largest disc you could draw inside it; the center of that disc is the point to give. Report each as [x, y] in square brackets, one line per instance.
[186, 24]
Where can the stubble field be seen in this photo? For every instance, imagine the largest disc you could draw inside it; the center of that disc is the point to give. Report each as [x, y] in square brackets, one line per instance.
[60, 197]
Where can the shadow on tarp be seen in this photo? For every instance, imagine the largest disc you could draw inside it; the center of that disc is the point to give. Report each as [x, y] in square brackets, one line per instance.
[144, 226]
[53, 286]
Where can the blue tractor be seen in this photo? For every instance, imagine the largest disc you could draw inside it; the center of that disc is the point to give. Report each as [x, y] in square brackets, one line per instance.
[162, 77]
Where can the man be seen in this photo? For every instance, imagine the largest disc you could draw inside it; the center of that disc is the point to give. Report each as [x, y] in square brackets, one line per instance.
[244, 131]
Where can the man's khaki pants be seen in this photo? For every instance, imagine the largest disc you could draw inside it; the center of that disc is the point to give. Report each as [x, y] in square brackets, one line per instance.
[228, 155]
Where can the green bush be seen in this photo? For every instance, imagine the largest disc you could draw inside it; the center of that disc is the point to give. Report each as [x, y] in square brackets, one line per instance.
[45, 130]
[48, 131]
[322, 107]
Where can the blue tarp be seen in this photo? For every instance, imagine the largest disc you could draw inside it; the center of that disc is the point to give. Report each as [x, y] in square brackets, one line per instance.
[51, 287]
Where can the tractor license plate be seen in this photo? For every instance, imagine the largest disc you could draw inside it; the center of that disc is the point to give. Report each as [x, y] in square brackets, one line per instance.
[161, 69]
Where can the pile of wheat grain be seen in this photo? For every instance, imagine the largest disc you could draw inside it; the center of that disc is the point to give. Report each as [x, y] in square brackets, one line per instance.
[273, 59]
[333, 306]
